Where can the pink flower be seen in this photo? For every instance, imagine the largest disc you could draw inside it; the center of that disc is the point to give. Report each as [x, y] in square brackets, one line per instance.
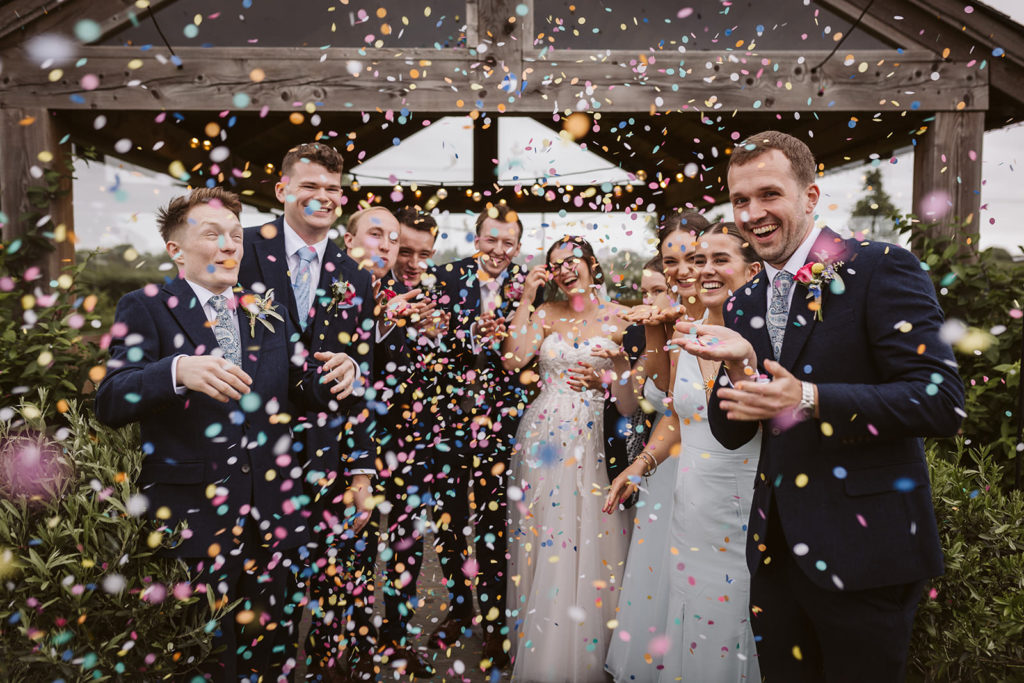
[804, 275]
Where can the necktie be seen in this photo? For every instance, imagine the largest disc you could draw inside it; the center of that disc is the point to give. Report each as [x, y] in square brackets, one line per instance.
[492, 286]
[225, 331]
[302, 283]
[778, 310]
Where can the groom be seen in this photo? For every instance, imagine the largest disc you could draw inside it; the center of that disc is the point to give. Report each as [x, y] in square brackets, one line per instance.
[486, 403]
[842, 532]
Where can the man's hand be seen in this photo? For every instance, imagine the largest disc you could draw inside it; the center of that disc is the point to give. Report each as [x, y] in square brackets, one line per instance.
[340, 369]
[752, 401]
[360, 494]
[216, 377]
[434, 324]
[718, 343]
[490, 329]
[402, 305]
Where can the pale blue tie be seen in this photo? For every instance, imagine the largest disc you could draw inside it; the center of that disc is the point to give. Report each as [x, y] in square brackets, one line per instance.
[225, 330]
[778, 310]
[302, 284]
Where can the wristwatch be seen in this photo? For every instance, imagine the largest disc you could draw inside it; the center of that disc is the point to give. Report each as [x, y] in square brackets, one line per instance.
[805, 409]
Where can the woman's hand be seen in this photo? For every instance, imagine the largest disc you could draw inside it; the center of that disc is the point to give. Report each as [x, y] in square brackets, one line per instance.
[535, 279]
[584, 376]
[624, 485]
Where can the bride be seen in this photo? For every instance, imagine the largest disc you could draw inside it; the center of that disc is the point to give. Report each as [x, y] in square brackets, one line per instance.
[566, 557]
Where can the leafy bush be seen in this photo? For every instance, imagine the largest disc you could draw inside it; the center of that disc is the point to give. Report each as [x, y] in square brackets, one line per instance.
[980, 298]
[970, 623]
[84, 593]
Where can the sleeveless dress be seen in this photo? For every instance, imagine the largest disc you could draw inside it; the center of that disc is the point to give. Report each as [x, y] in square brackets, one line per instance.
[708, 628]
[639, 638]
[567, 556]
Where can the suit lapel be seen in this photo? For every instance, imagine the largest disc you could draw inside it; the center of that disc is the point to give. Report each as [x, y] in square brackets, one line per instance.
[333, 268]
[272, 262]
[190, 316]
[471, 282]
[756, 308]
[802, 319]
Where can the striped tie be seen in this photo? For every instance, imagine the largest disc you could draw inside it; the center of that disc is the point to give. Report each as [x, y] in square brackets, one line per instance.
[302, 283]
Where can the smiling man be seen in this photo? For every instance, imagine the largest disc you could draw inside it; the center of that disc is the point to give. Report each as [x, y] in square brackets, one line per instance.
[330, 298]
[842, 533]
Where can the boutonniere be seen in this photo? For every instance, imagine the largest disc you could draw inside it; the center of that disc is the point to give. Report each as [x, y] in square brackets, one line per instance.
[815, 275]
[260, 308]
[342, 293]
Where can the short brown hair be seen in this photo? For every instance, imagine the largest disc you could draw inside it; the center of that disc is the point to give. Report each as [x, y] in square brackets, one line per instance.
[173, 216]
[799, 154]
[353, 221]
[312, 153]
[504, 213]
[416, 218]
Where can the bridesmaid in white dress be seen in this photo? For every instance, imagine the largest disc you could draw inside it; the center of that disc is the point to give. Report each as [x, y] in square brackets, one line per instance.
[566, 556]
[708, 629]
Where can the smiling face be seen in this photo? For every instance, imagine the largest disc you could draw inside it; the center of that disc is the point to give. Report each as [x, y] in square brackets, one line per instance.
[722, 269]
[312, 199]
[773, 212]
[569, 270]
[415, 248]
[677, 257]
[652, 285]
[373, 241]
[208, 247]
[497, 243]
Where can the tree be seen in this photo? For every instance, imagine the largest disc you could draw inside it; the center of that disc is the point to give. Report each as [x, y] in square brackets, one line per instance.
[874, 213]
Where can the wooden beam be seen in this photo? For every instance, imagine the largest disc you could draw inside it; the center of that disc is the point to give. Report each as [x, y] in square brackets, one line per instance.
[30, 146]
[947, 176]
[25, 19]
[485, 152]
[428, 80]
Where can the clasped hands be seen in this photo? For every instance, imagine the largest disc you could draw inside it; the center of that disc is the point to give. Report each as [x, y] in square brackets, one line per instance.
[751, 397]
[224, 381]
[420, 313]
[584, 375]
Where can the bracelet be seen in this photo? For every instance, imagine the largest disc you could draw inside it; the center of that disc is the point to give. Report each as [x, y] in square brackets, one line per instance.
[647, 456]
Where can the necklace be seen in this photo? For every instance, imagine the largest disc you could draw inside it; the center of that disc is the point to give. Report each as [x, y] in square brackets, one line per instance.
[709, 377]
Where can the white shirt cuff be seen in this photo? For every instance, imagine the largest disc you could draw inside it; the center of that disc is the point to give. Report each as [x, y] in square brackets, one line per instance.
[179, 390]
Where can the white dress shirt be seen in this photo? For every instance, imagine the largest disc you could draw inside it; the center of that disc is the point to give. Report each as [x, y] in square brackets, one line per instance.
[204, 295]
[795, 263]
[293, 243]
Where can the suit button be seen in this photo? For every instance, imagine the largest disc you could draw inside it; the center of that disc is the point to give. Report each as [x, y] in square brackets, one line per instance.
[246, 469]
[776, 431]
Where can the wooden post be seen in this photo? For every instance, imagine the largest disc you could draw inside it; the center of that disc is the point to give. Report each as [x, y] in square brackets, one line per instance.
[485, 153]
[29, 146]
[947, 177]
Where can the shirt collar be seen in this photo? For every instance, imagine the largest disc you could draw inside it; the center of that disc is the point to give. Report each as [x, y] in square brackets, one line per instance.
[798, 259]
[204, 295]
[292, 243]
[483, 276]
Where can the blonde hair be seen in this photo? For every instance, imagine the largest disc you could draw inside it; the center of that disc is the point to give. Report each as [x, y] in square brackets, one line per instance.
[352, 226]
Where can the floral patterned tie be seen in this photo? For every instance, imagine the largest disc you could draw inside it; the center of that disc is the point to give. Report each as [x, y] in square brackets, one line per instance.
[778, 310]
[225, 330]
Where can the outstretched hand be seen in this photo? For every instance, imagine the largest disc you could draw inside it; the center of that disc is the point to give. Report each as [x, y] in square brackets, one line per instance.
[718, 343]
[624, 485]
[753, 401]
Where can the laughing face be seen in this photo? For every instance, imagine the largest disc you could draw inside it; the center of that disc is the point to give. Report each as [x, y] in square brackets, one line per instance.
[680, 273]
[208, 247]
[497, 243]
[722, 269]
[569, 270]
[773, 212]
[312, 199]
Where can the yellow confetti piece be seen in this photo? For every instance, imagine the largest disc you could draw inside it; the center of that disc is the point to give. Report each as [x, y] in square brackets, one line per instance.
[801, 480]
[135, 64]
[797, 654]
[826, 429]
[163, 512]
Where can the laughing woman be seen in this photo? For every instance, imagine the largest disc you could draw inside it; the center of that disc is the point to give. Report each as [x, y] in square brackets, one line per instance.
[708, 629]
[566, 557]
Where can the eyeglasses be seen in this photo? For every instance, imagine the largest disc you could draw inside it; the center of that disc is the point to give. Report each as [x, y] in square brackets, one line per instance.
[567, 261]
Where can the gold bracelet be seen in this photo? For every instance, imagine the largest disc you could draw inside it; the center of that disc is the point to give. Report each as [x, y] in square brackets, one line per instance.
[647, 455]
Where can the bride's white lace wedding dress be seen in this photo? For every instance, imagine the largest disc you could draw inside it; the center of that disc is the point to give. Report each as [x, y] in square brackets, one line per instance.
[567, 555]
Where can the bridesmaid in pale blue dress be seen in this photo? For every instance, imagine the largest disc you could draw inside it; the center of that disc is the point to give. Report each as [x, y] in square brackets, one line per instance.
[707, 628]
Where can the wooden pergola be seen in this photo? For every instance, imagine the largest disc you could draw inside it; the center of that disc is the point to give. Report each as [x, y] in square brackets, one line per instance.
[942, 78]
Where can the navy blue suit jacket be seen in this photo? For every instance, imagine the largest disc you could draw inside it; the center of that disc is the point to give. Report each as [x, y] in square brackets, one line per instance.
[458, 291]
[341, 440]
[852, 488]
[193, 443]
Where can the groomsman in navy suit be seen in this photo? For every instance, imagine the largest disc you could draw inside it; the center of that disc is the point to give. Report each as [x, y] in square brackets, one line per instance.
[486, 403]
[842, 532]
[209, 372]
[330, 299]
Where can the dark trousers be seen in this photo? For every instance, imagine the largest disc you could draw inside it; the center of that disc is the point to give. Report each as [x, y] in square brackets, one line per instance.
[807, 633]
[252, 639]
[339, 573]
[480, 455]
[407, 489]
